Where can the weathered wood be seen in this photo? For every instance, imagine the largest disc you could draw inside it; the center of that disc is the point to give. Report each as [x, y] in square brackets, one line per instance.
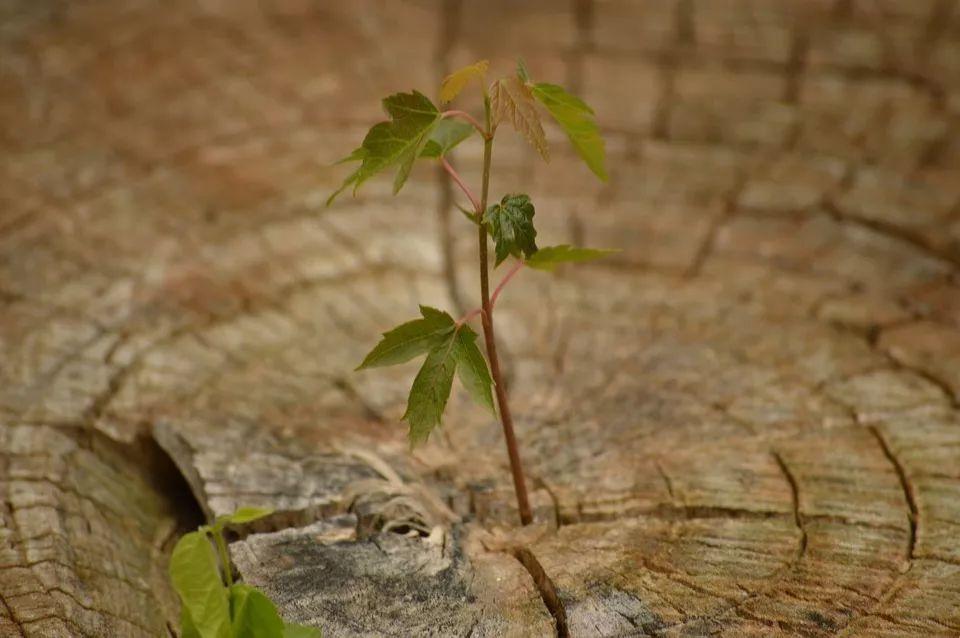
[745, 424]
[87, 527]
[391, 584]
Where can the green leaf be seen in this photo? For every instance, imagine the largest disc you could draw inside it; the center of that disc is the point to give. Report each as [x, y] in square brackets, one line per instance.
[243, 515]
[411, 339]
[469, 214]
[396, 142]
[350, 181]
[511, 224]
[522, 72]
[511, 101]
[429, 393]
[454, 83]
[448, 350]
[301, 631]
[472, 367]
[356, 155]
[577, 121]
[446, 135]
[196, 578]
[549, 257]
[187, 627]
[254, 615]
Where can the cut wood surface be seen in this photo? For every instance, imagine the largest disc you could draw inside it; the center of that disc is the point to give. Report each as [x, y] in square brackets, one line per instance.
[746, 423]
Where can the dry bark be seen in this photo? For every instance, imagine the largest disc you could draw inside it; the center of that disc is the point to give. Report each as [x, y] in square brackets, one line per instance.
[745, 424]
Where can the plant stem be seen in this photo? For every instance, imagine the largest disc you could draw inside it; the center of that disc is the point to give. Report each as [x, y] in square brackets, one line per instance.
[469, 118]
[467, 317]
[519, 485]
[224, 557]
[466, 191]
[503, 282]
[496, 293]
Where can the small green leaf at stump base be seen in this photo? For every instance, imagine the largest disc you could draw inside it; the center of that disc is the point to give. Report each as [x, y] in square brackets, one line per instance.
[301, 631]
[187, 628]
[196, 579]
[254, 615]
[244, 515]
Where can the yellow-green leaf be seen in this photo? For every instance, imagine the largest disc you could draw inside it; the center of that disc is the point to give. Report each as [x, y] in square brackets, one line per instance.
[454, 83]
[196, 578]
[187, 628]
[243, 515]
[293, 630]
[253, 614]
[356, 155]
[511, 101]
[577, 121]
[548, 257]
[445, 136]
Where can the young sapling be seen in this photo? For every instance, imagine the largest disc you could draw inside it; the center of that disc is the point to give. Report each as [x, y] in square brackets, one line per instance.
[417, 129]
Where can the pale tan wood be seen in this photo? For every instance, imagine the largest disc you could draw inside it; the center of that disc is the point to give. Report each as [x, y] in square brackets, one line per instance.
[745, 424]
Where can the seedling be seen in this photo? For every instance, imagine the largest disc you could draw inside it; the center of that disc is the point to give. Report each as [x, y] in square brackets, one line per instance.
[212, 605]
[417, 129]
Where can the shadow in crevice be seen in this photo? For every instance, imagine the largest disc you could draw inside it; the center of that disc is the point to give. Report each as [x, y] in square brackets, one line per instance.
[159, 471]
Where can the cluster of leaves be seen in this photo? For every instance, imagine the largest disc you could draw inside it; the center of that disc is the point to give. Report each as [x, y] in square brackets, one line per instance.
[417, 128]
[213, 606]
[513, 99]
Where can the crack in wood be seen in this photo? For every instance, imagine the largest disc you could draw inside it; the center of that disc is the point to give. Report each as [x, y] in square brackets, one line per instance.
[891, 231]
[913, 515]
[913, 519]
[706, 247]
[673, 512]
[539, 483]
[795, 497]
[147, 462]
[13, 616]
[548, 591]
[926, 375]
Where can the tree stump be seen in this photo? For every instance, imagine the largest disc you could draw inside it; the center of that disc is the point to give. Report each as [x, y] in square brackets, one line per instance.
[747, 423]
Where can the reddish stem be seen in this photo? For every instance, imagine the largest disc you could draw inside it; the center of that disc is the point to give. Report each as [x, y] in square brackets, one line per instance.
[467, 317]
[456, 178]
[506, 419]
[496, 293]
[503, 282]
[466, 116]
